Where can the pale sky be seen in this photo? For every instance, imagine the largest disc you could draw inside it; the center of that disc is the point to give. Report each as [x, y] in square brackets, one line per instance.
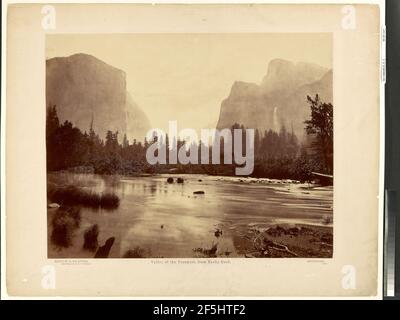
[185, 77]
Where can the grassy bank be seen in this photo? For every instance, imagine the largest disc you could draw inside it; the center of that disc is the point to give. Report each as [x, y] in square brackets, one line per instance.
[71, 195]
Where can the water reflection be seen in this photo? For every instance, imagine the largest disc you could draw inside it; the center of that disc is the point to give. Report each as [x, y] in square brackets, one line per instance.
[169, 220]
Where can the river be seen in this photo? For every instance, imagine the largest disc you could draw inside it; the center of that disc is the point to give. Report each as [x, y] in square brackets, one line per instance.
[169, 220]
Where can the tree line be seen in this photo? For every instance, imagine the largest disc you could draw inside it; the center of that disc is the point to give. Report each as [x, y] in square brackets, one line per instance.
[278, 155]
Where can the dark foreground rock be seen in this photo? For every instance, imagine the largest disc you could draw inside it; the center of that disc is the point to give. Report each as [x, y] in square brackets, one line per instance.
[208, 253]
[90, 238]
[104, 251]
[179, 180]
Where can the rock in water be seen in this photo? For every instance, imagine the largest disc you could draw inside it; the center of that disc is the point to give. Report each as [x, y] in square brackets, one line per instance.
[90, 238]
[170, 180]
[199, 192]
[104, 251]
[218, 233]
[179, 180]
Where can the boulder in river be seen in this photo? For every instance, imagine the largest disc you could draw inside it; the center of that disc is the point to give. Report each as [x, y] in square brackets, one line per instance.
[218, 233]
[90, 238]
[104, 251]
[179, 180]
[170, 180]
[199, 192]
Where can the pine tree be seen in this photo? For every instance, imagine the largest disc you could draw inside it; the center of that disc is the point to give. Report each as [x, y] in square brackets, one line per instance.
[320, 126]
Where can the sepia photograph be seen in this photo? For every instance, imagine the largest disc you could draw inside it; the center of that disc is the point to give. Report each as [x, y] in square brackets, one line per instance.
[206, 145]
[193, 151]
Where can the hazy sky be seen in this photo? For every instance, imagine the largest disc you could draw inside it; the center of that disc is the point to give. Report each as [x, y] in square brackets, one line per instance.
[185, 77]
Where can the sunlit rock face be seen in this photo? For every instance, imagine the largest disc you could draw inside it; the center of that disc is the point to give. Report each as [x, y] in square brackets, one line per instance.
[280, 99]
[85, 88]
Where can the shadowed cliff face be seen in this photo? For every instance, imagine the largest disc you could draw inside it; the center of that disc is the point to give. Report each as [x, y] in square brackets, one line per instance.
[137, 121]
[82, 87]
[280, 99]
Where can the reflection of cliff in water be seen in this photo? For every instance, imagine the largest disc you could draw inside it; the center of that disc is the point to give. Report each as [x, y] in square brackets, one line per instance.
[159, 219]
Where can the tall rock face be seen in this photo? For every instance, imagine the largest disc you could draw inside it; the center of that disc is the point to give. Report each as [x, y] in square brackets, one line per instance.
[85, 88]
[136, 120]
[280, 99]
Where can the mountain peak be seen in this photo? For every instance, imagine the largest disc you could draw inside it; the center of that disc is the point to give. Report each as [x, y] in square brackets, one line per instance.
[279, 100]
[286, 75]
[275, 63]
[81, 85]
[85, 61]
[240, 88]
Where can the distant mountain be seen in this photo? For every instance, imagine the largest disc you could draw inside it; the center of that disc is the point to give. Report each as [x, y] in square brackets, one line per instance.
[280, 99]
[85, 88]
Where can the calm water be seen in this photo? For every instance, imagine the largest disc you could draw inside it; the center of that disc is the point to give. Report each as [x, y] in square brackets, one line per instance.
[168, 220]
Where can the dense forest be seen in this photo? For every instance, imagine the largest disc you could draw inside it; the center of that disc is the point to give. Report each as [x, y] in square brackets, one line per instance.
[278, 155]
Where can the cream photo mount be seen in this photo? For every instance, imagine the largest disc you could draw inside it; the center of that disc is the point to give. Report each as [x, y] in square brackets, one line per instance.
[355, 268]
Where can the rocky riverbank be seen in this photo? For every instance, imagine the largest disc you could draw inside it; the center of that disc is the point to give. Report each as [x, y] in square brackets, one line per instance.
[286, 241]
